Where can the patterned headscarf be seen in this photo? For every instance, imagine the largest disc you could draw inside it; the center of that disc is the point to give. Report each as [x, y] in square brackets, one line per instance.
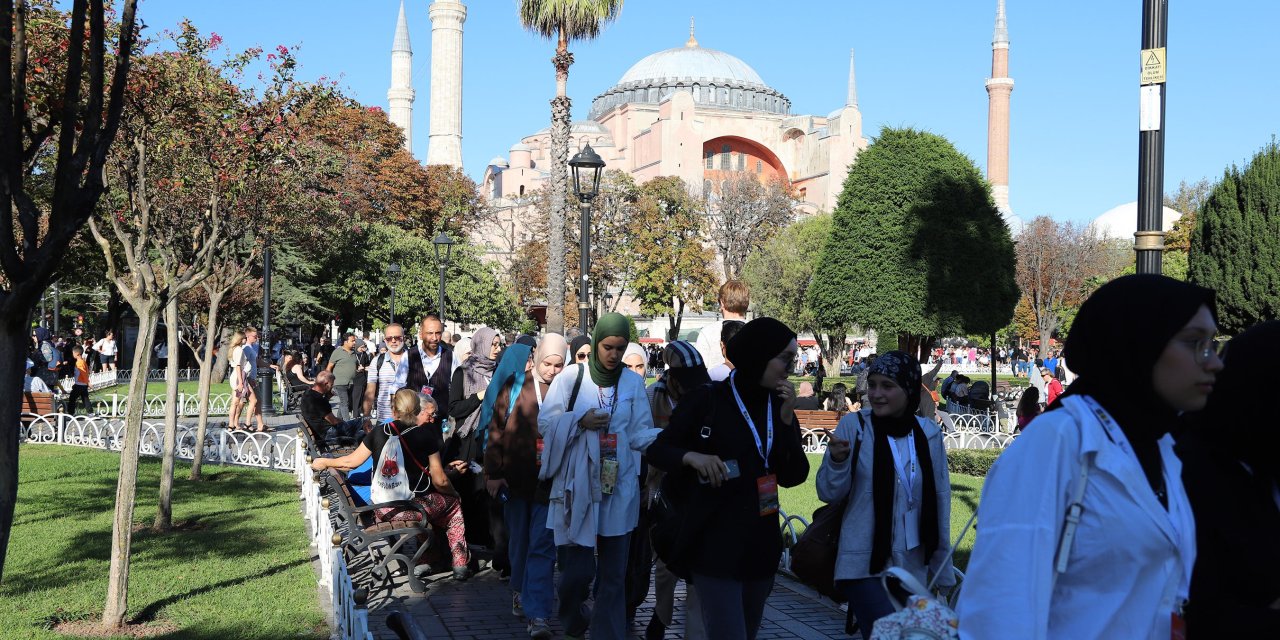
[903, 369]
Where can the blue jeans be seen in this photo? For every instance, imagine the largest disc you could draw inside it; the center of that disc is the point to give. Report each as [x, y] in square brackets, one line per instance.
[867, 600]
[733, 608]
[578, 565]
[532, 549]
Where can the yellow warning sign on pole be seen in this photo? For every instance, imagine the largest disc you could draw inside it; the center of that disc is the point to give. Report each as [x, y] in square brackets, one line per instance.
[1153, 66]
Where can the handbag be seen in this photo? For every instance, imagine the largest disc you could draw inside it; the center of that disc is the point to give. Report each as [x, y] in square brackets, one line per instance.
[813, 558]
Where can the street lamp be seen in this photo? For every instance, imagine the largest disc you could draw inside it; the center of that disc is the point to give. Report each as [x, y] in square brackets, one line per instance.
[444, 250]
[608, 301]
[393, 275]
[265, 391]
[586, 166]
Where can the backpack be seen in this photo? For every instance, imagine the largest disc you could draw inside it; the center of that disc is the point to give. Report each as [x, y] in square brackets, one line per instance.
[390, 480]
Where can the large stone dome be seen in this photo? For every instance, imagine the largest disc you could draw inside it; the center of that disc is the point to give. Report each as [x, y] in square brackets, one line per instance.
[1121, 222]
[715, 78]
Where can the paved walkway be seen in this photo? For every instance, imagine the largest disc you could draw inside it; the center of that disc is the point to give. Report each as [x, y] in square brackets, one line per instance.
[480, 609]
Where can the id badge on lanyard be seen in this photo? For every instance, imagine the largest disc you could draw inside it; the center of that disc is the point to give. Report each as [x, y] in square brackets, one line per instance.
[766, 485]
[906, 472]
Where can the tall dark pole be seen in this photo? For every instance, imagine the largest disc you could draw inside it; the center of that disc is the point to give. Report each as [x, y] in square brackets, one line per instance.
[265, 391]
[393, 303]
[442, 273]
[1149, 240]
[584, 309]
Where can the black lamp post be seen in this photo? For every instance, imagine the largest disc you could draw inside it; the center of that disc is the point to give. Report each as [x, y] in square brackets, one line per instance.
[265, 388]
[608, 301]
[444, 251]
[586, 166]
[393, 275]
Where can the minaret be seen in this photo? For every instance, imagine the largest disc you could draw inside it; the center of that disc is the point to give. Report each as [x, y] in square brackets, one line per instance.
[999, 86]
[400, 97]
[852, 99]
[445, 144]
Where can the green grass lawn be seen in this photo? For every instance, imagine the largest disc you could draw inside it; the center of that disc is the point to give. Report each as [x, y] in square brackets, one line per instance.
[238, 568]
[158, 388]
[965, 492]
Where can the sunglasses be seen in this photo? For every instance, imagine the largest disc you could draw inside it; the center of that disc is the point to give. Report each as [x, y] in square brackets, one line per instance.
[394, 338]
[580, 356]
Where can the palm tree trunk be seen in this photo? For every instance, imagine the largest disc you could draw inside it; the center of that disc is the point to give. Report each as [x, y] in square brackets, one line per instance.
[560, 112]
[206, 381]
[127, 484]
[164, 514]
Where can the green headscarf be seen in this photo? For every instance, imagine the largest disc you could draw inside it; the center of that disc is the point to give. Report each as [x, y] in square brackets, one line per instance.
[610, 325]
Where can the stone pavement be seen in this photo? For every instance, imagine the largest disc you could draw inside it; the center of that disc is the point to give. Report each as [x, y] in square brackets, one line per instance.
[480, 609]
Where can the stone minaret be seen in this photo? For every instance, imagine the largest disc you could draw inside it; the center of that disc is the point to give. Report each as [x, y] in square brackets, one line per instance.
[400, 97]
[852, 99]
[445, 144]
[999, 86]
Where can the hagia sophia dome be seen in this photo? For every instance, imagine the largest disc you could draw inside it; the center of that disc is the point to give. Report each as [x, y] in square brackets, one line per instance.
[1121, 222]
[713, 77]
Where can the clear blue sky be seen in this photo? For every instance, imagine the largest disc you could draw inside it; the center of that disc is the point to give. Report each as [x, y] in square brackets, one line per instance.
[920, 64]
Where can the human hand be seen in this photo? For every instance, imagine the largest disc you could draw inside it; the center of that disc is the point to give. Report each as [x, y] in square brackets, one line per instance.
[787, 392]
[459, 465]
[839, 449]
[480, 394]
[594, 420]
[494, 486]
[709, 468]
[319, 464]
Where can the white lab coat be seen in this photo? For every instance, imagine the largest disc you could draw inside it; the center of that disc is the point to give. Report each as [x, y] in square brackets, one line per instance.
[1130, 566]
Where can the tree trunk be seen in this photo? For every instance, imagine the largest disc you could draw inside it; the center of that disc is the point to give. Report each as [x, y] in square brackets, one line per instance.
[832, 351]
[220, 365]
[560, 112]
[164, 514]
[127, 484]
[14, 341]
[206, 381]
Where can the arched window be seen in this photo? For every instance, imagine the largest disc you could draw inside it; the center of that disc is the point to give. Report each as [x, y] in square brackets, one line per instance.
[724, 158]
[521, 191]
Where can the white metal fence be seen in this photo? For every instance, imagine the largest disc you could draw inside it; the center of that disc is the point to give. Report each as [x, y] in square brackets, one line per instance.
[117, 405]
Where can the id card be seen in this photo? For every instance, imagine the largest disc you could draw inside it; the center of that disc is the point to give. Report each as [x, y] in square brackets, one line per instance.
[539, 458]
[767, 492]
[428, 390]
[608, 476]
[911, 530]
[609, 446]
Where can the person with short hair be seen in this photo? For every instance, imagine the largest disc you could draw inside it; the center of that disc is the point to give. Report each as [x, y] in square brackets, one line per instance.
[32, 383]
[734, 299]
[80, 386]
[106, 348]
[728, 329]
[317, 413]
[388, 373]
[343, 365]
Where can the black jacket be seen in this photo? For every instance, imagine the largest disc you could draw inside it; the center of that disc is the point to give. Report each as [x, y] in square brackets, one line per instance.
[723, 533]
[439, 382]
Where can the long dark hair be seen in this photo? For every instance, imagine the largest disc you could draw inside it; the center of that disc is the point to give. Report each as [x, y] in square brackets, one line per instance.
[1029, 403]
[836, 399]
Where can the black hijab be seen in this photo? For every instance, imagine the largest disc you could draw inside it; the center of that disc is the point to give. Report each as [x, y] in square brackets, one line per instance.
[904, 370]
[750, 351]
[1239, 418]
[1115, 341]
[577, 343]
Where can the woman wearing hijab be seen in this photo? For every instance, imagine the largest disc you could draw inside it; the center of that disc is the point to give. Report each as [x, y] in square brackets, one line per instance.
[580, 348]
[594, 416]
[635, 359]
[463, 448]
[1231, 468]
[740, 439]
[898, 491]
[1117, 564]
[511, 470]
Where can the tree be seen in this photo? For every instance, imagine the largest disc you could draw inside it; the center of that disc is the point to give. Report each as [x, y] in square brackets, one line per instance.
[1187, 200]
[779, 275]
[745, 213]
[58, 119]
[1056, 261]
[564, 21]
[1235, 248]
[669, 266]
[917, 247]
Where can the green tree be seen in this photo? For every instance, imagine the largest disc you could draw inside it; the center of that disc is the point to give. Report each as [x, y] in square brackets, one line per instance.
[563, 21]
[917, 247]
[779, 275]
[670, 265]
[1235, 248]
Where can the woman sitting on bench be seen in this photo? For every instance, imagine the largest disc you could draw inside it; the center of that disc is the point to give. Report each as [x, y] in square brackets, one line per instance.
[414, 412]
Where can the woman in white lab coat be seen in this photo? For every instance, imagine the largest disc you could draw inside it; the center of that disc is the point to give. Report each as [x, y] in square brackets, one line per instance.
[1144, 352]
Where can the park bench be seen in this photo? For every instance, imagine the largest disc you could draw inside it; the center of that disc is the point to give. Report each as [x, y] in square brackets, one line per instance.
[383, 544]
[316, 447]
[35, 404]
[814, 425]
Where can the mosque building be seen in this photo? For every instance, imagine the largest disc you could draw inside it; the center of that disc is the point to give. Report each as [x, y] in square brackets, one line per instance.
[690, 111]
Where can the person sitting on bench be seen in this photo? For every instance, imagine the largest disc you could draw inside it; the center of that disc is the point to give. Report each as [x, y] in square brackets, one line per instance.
[317, 413]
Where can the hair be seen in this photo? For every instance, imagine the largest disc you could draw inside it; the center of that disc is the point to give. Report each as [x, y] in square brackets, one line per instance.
[250, 329]
[405, 405]
[393, 324]
[729, 329]
[836, 399]
[237, 339]
[77, 350]
[424, 400]
[735, 296]
[347, 336]
[324, 375]
[428, 318]
[1029, 403]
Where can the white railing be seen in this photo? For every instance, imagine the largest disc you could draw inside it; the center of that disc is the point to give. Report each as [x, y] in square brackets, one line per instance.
[967, 368]
[959, 431]
[117, 405]
[262, 450]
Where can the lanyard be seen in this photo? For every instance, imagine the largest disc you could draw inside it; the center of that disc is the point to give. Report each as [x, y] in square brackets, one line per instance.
[767, 448]
[537, 391]
[907, 470]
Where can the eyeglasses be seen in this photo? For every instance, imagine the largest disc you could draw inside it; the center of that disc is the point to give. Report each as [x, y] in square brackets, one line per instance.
[580, 356]
[1205, 348]
[394, 338]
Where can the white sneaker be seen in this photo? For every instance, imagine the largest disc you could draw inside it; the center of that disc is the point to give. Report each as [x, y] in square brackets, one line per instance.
[538, 628]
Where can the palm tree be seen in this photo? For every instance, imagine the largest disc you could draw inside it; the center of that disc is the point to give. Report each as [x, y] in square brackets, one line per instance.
[562, 20]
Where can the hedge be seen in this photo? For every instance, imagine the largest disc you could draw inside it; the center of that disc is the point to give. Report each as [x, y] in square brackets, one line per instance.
[973, 462]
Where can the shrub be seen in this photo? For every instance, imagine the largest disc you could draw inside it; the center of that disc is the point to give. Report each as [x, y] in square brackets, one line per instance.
[973, 462]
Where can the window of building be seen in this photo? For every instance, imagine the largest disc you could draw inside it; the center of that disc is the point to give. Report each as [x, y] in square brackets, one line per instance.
[521, 191]
[711, 159]
[803, 192]
[742, 162]
[759, 166]
[724, 158]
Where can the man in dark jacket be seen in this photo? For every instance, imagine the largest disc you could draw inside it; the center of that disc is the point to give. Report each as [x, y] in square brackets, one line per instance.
[431, 364]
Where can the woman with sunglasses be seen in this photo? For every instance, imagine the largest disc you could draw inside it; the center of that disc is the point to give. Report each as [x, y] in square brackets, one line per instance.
[594, 422]
[580, 347]
[1231, 466]
[1085, 529]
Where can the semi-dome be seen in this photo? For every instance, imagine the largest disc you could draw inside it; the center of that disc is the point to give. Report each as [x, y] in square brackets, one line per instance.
[715, 78]
[1122, 222]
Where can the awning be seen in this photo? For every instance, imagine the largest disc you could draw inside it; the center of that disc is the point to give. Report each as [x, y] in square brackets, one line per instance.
[647, 340]
[806, 342]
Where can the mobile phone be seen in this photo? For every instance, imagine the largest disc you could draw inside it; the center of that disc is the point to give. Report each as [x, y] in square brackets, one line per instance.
[731, 471]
